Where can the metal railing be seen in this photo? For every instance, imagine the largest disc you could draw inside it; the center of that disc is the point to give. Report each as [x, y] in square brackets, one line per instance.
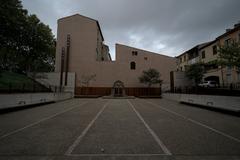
[227, 90]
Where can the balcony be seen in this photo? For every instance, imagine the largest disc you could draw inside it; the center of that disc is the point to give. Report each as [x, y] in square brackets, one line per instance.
[194, 60]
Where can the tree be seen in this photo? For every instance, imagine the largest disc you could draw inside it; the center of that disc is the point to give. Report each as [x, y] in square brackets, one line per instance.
[150, 77]
[12, 23]
[195, 72]
[85, 80]
[39, 47]
[27, 45]
[229, 55]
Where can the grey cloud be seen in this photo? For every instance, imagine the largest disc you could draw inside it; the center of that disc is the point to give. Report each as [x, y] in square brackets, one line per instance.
[164, 26]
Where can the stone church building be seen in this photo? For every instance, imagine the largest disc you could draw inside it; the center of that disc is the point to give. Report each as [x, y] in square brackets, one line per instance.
[81, 50]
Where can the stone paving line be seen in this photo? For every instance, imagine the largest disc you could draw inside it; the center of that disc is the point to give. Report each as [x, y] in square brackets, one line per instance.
[152, 133]
[143, 121]
[42, 120]
[196, 122]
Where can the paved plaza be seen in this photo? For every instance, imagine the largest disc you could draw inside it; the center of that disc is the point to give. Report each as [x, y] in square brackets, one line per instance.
[109, 129]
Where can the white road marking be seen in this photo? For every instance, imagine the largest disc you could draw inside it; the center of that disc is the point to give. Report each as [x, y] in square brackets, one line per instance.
[115, 155]
[196, 122]
[78, 140]
[156, 138]
[44, 119]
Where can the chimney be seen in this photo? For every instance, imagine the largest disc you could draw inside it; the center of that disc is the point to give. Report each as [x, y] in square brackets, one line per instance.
[237, 25]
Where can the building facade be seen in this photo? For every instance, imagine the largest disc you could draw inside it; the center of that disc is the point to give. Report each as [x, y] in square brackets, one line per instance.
[81, 50]
[208, 54]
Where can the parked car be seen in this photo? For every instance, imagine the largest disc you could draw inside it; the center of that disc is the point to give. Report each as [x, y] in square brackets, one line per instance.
[208, 84]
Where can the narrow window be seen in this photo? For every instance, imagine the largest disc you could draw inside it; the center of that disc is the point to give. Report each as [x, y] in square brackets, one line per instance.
[203, 54]
[214, 49]
[238, 73]
[134, 53]
[228, 42]
[229, 78]
[145, 58]
[133, 65]
[184, 58]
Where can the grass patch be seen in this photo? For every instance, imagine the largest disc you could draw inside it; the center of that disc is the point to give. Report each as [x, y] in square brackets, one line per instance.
[7, 78]
[16, 82]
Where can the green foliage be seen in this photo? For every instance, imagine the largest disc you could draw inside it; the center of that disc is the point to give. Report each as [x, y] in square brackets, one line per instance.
[150, 77]
[15, 82]
[12, 20]
[27, 45]
[195, 72]
[14, 79]
[229, 55]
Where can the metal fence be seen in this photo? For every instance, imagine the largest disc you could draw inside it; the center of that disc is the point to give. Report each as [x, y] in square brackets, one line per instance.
[105, 91]
[232, 86]
[221, 90]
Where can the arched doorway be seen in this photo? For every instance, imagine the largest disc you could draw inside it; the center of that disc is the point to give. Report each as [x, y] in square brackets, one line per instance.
[118, 89]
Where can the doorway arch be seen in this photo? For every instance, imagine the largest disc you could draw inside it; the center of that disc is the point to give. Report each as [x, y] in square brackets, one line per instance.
[118, 89]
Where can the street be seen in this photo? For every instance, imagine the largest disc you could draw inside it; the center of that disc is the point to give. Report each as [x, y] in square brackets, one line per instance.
[118, 129]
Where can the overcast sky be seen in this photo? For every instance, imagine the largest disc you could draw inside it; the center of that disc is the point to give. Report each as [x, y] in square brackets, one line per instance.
[163, 26]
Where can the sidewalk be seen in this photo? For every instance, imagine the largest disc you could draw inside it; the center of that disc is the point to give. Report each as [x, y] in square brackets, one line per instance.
[20, 100]
[229, 103]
